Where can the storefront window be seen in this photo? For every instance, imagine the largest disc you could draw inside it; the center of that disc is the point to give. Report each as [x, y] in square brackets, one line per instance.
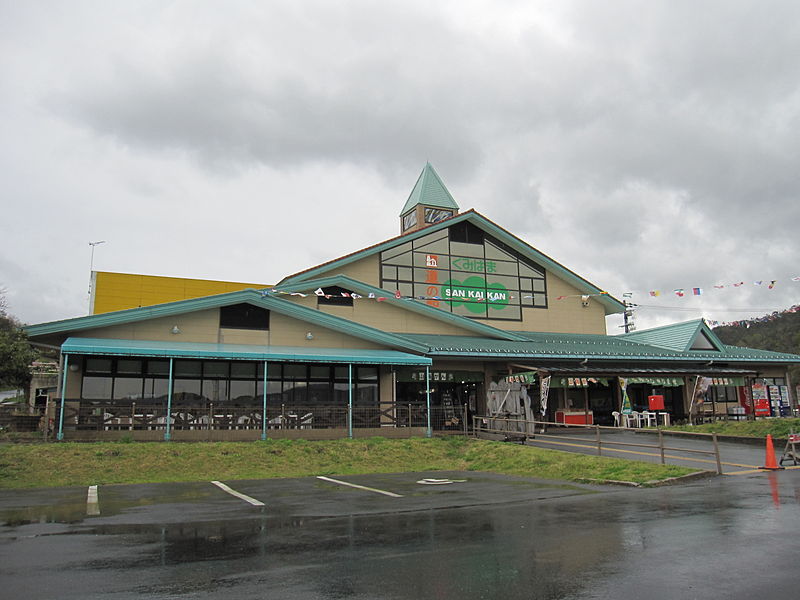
[128, 388]
[96, 388]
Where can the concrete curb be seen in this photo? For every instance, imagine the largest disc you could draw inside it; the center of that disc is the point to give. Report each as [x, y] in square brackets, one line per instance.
[654, 483]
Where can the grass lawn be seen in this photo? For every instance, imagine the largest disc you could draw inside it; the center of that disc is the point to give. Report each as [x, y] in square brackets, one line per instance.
[775, 427]
[64, 464]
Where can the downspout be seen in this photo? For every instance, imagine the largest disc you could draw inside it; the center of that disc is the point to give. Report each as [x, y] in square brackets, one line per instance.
[63, 395]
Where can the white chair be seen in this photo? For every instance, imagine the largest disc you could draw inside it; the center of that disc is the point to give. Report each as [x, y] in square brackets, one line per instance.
[648, 418]
[635, 418]
[617, 418]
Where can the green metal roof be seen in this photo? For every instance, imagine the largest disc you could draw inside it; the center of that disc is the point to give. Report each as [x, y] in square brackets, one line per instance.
[285, 307]
[409, 304]
[611, 304]
[109, 347]
[678, 336]
[429, 191]
[586, 346]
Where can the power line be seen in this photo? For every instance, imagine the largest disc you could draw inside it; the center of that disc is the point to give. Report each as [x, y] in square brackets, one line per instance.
[706, 308]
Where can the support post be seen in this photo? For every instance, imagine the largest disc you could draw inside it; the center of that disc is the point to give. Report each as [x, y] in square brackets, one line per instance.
[429, 432]
[350, 401]
[597, 436]
[264, 407]
[63, 396]
[716, 453]
[661, 445]
[169, 401]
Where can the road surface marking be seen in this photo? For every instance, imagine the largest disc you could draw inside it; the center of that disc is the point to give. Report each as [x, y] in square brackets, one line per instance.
[606, 449]
[360, 487]
[239, 495]
[92, 503]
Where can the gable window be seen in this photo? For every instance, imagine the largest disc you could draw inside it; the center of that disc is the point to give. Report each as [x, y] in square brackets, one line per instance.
[244, 316]
[335, 296]
[464, 270]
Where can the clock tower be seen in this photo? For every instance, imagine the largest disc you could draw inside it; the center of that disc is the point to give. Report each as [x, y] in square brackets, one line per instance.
[428, 203]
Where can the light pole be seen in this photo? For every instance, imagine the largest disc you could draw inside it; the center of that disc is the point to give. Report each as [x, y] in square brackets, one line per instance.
[91, 269]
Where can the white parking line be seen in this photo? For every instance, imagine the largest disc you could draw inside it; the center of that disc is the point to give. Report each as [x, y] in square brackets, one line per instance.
[239, 495]
[360, 487]
[92, 503]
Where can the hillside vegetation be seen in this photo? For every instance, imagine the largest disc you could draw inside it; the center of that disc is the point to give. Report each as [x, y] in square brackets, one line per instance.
[777, 332]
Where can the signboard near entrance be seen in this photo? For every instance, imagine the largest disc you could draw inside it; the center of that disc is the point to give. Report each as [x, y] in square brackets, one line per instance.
[655, 402]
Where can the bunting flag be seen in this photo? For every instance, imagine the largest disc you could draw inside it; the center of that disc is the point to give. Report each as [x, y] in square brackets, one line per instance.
[655, 293]
[697, 291]
[679, 292]
[749, 322]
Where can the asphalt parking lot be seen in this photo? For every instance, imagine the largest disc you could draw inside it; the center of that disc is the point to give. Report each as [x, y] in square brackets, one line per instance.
[406, 535]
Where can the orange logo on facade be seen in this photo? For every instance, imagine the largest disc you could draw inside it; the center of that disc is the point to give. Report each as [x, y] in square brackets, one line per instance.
[432, 261]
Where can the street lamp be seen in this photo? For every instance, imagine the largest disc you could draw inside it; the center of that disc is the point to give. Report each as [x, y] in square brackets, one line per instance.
[91, 269]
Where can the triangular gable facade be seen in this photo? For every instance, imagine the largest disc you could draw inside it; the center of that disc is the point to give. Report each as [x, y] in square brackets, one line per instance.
[681, 337]
[158, 320]
[472, 267]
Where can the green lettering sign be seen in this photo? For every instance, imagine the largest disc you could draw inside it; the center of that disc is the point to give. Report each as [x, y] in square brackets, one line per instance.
[474, 293]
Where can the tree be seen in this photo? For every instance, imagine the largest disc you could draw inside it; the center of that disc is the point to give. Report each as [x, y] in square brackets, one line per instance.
[16, 354]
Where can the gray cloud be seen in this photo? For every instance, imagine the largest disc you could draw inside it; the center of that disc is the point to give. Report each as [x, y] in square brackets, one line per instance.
[644, 146]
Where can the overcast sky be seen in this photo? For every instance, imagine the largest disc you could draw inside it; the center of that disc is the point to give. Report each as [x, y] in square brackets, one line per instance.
[644, 145]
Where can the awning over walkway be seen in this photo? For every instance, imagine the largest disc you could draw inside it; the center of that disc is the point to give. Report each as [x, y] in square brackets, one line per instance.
[146, 348]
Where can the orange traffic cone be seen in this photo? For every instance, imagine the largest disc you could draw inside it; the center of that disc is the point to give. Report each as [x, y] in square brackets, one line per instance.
[771, 463]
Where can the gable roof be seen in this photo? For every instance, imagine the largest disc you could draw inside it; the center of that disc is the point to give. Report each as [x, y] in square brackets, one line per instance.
[409, 304]
[430, 191]
[592, 347]
[285, 307]
[690, 335]
[611, 304]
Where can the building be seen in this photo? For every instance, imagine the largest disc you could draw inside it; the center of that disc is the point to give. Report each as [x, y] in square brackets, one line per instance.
[456, 317]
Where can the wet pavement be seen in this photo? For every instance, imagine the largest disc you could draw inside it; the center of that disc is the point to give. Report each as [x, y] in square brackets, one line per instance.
[481, 536]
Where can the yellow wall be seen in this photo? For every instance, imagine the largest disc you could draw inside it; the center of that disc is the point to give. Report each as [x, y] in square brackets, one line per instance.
[120, 291]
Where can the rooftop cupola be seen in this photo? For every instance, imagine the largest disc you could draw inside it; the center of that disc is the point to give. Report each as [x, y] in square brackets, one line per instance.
[428, 203]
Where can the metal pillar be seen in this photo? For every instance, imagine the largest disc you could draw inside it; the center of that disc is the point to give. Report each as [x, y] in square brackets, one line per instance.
[264, 408]
[429, 432]
[169, 402]
[63, 395]
[350, 401]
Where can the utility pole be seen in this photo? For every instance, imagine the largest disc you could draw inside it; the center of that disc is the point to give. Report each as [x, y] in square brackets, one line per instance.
[629, 325]
[91, 269]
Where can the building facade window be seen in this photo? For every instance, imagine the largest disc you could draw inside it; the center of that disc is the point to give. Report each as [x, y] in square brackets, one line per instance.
[466, 271]
[197, 383]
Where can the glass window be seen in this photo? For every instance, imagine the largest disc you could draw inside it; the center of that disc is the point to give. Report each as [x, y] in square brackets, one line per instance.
[274, 372]
[470, 250]
[367, 373]
[155, 389]
[293, 372]
[128, 388]
[187, 368]
[98, 365]
[436, 237]
[216, 390]
[320, 372]
[129, 367]
[158, 367]
[243, 391]
[319, 393]
[244, 316]
[295, 392]
[245, 370]
[216, 369]
[96, 388]
[410, 220]
[366, 394]
[186, 390]
[341, 373]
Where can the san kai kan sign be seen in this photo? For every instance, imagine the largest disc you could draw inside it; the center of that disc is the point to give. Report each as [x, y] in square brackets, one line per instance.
[475, 294]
